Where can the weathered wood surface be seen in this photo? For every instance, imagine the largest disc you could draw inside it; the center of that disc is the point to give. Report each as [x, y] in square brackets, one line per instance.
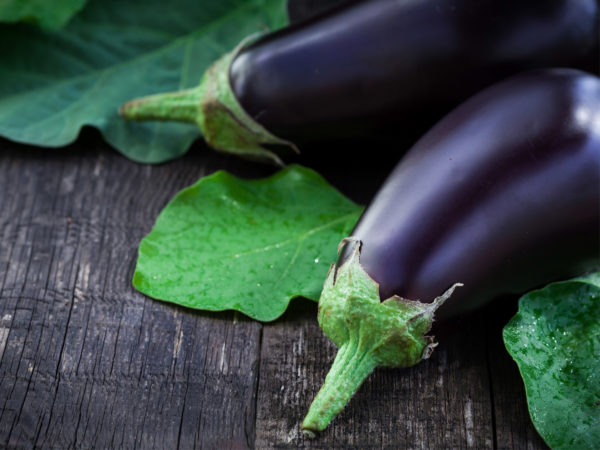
[88, 362]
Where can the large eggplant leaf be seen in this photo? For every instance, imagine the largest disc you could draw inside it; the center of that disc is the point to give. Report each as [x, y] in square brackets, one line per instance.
[555, 340]
[51, 84]
[252, 246]
[51, 14]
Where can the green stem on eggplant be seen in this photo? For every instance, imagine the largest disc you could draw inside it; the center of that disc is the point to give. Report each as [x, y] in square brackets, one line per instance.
[213, 106]
[352, 365]
[368, 332]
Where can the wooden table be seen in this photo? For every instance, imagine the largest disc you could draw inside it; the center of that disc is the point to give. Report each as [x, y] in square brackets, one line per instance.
[86, 361]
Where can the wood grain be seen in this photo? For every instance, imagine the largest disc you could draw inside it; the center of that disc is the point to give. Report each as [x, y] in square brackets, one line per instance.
[88, 362]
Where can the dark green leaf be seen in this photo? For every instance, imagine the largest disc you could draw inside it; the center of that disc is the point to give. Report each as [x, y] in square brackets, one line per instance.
[555, 340]
[226, 243]
[52, 14]
[51, 84]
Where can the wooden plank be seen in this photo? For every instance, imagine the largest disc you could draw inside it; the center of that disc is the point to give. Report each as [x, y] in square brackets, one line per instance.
[514, 428]
[86, 360]
[442, 403]
[468, 395]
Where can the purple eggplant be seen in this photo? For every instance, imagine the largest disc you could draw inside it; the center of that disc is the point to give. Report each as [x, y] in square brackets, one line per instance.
[300, 10]
[371, 68]
[501, 196]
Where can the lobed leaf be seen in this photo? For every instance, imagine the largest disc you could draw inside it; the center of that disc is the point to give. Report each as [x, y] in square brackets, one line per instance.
[47, 14]
[247, 245]
[555, 340]
[52, 84]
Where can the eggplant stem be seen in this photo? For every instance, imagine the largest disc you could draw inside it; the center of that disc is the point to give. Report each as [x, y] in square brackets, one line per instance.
[368, 332]
[181, 106]
[352, 365]
[213, 107]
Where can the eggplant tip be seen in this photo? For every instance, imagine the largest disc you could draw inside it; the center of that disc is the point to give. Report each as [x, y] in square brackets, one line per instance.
[309, 434]
[125, 108]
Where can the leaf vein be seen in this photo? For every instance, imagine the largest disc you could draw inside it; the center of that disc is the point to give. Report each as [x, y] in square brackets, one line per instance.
[239, 11]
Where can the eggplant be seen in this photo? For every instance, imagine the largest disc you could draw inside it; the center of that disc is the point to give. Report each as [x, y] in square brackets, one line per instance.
[370, 68]
[500, 197]
[300, 10]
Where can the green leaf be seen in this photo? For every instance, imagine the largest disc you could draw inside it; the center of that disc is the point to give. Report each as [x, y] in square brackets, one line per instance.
[555, 340]
[51, 14]
[51, 84]
[252, 246]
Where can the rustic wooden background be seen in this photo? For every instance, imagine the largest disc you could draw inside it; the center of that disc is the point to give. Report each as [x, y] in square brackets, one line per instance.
[88, 362]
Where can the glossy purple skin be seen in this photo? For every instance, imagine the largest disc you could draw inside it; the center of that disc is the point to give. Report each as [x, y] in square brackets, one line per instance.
[502, 195]
[376, 65]
[300, 10]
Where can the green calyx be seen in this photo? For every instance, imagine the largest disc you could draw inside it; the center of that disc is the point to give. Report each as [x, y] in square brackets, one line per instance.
[212, 105]
[368, 332]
